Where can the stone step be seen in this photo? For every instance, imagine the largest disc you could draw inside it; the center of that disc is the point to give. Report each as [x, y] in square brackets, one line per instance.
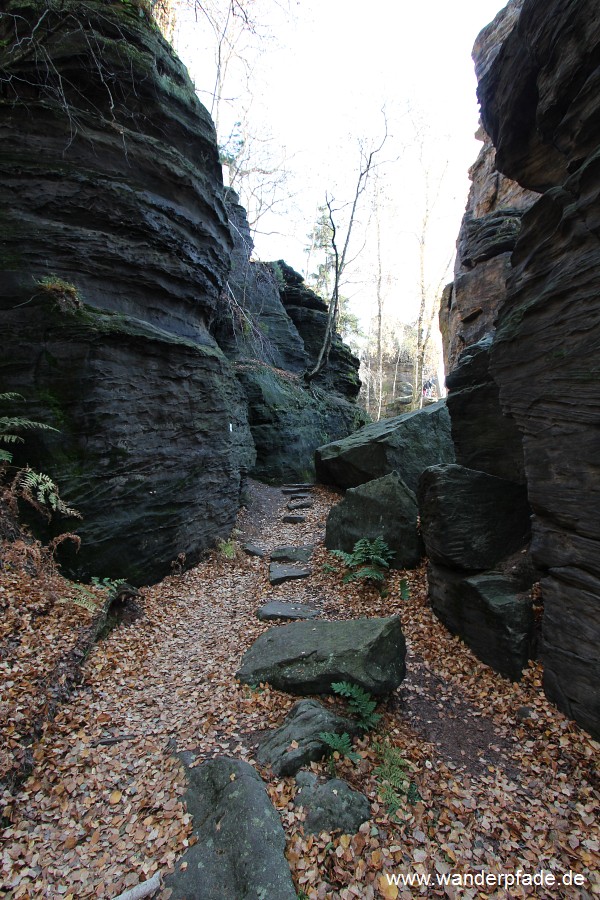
[293, 520]
[285, 609]
[278, 573]
[292, 554]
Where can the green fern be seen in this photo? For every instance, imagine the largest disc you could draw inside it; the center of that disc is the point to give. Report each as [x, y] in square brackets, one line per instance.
[395, 785]
[42, 493]
[360, 703]
[369, 561]
[11, 424]
[340, 743]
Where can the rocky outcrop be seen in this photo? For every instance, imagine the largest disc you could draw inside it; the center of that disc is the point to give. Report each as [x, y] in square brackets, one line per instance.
[308, 657]
[488, 234]
[240, 841]
[540, 104]
[406, 444]
[115, 246]
[257, 329]
[383, 508]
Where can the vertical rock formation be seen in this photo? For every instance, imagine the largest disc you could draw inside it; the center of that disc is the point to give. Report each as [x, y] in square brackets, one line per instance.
[540, 101]
[114, 248]
[533, 388]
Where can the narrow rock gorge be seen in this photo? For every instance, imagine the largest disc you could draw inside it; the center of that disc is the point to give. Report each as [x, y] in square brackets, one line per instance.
[117, 245]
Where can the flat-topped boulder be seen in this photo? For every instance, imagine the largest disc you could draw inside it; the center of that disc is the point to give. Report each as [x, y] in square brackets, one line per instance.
[406, 444]
[298, 741]
[330, 806]
[292, 554]
[279, 572]
[285, 609]
[308, 657]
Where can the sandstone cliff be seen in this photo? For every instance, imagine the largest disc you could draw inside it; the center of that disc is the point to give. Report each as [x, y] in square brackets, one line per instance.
[115, 247]
[526, 401]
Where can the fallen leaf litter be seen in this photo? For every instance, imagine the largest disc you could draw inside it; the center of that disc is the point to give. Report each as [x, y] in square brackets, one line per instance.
[505, 781]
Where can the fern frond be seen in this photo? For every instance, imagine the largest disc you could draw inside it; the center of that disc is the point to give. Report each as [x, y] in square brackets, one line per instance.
[42, 493]
[360, 702]
[340, 743]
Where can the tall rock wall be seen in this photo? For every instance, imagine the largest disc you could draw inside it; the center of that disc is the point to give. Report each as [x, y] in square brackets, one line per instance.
[540, 102]
[114, 248]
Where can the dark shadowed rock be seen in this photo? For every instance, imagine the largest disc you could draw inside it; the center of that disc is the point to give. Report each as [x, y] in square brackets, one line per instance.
[300, 504]
[308, 657]
[332, 806]
[470, 520]
[253, 550]
[489, 613]
[293, 520]
[241, 841]
[289, 422]
[302, 726]
[292, 554]
[485, 438]
[115, 248]
[384, 508]
[285, 609]
[406, 444]
[279, 573]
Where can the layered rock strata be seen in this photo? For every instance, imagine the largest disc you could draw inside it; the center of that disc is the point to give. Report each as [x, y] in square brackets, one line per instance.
[541, 104]
[115, 247]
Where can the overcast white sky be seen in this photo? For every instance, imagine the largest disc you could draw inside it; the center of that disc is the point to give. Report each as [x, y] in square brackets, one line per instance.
[318, 87]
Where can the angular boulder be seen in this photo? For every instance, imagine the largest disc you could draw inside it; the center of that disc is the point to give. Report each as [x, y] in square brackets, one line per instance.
[489, 612]
[332, 806]
[384, 507]
[471, 520]
[241, 841]
[308, 657]
[406, 444]
[302, 727]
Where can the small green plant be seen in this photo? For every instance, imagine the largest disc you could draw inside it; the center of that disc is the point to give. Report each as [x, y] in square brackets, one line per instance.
[9, 425]
[228, 549]
[81, 596]
[360, 703]
[340, 744]
[41, 492]
[395, 785]
[63, 293]
[369, 561]
[107, 584]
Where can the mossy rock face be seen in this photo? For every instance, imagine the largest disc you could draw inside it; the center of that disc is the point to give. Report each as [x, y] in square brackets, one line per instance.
[289, 422]
[115, 249]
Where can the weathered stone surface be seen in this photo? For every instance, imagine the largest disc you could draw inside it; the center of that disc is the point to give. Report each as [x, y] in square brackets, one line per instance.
[484, 437]
[241, 841]
[308, 312]
[115, 246]
[302, 726]
[406, 444]
[285, 609]
[470, 520]
[293, 520]
[253, 550]
[288, 422]
[292, 554]
[489, 613]
[541, 102]
[254, 324]
[488, 234]
[539, 97]
[279, 573]
[300, 504]
[384, 508]
[332, 806]
[308, 657]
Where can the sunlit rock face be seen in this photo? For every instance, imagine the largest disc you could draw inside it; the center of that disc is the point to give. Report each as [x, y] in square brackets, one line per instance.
[541, 105]
[115, 248]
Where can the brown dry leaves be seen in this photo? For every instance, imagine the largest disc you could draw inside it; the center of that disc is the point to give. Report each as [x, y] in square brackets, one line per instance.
[95, 818]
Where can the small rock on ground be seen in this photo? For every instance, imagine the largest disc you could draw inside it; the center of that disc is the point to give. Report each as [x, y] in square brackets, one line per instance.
[284, 609]
[330, 806]
[292, 554]
[279, 573]
[294, 520]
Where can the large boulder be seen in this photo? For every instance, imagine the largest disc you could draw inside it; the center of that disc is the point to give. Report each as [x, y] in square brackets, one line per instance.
[298, 740]
[406, 444]
[471, 520]
[240, 839]
[308, 657]
[489, 612]
[384, 507]
[485, 438]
